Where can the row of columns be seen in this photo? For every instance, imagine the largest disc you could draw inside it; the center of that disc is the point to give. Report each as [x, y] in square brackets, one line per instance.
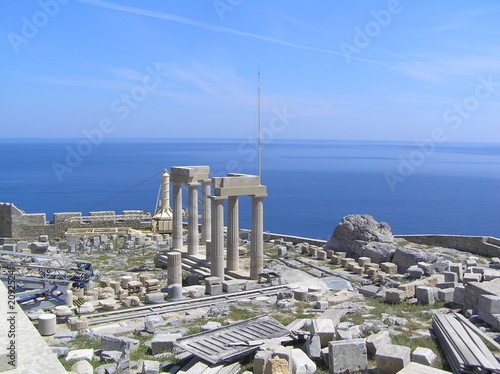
[212, 226]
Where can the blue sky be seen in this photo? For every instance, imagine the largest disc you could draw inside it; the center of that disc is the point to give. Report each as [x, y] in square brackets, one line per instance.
[363, 70]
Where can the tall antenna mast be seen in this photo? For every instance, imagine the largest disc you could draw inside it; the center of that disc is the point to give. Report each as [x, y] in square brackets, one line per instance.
[259, 151]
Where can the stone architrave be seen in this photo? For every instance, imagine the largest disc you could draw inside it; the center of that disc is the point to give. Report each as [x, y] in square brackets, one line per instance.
[229, 187]
[189, 175]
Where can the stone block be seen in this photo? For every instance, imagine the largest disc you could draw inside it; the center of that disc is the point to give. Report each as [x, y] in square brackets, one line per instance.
[335, 260]
[80, 354]
[150, 367]
[344, 262]
[321, 255]
[301, 364]
[313, 347]
[371, 265]
[488, 306]
[371, 272]
[415, 272]
[369, 291]
[351, 265]
[196, 291]
[108, 304]
[250, 285]
[324, 328]
[490, 274]
[260, 361]
[356, 269]
[395, 296]
[122, 344]
[424, 356]
[213, 289]
[426, 267]
[416, 368]
[459, 295]
[374, 341]
[391, 358]
[389, 268]
[446, 295]
[212, 281]
[314, 297]
[154, 298]
[321, 305]
[163, 342]
[341, 254]
[457, 269]
[278, 365]
[82, 367]
[230, 286]
[444, 285]
[211, 325]
[347, 355]
[450, 276]
[362, 261]
[425, 295]
[472, 277]
[409, 289]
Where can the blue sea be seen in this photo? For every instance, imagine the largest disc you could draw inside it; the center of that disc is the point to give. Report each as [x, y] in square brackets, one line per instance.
[451, 188]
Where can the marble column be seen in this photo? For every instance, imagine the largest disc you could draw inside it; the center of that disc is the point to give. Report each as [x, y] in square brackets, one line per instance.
[206, 217]
[177, 216]
[257, 238]
[193, 236]
[174, 268]
[217, 242]
[233, 228]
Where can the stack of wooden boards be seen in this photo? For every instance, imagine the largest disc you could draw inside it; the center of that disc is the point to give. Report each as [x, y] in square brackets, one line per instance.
[464, 345]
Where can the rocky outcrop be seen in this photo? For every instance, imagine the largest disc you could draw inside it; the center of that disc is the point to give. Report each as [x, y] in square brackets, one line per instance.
[362, 236]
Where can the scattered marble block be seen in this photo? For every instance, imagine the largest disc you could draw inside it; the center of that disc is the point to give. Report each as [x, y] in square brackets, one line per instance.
[82, 367]
[193, 279]
[213, 289]
[446, 295]
[459, 295]
[347, 355]
[389, 268]
[150, 367]
[344, 262]
[132, 301]
[424, 356]
[154, 298]
[321, 305]
[395, 296]
[301, 363]
[85, 308]
[80, 354]
[122, 344]
[444, 285]
[324, 328]
[313, 347]
[409, 289]
[426, 267]
[425, 295]
[211, 325]
[362, 261]
[414, 272]
[335, 260]
[279, 365]
[416, 368]
[472, 277]
[369, 291]
[321, 255]
[450, 276]
[62, 311]
[373, 342]
[108, 304]
[212, 280]
[250, 285]
[457, 269]
[196, 291]
[230, 286]
[391, 358]
[300, 295]
[163, 342]
[111, 356]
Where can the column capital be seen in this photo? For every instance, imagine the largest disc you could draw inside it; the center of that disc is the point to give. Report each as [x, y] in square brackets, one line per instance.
[193, 184]
[262, 195]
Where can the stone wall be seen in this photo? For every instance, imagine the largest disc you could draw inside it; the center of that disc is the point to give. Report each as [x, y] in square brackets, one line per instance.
[244, 234]
[15, 223]
[480, 245]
